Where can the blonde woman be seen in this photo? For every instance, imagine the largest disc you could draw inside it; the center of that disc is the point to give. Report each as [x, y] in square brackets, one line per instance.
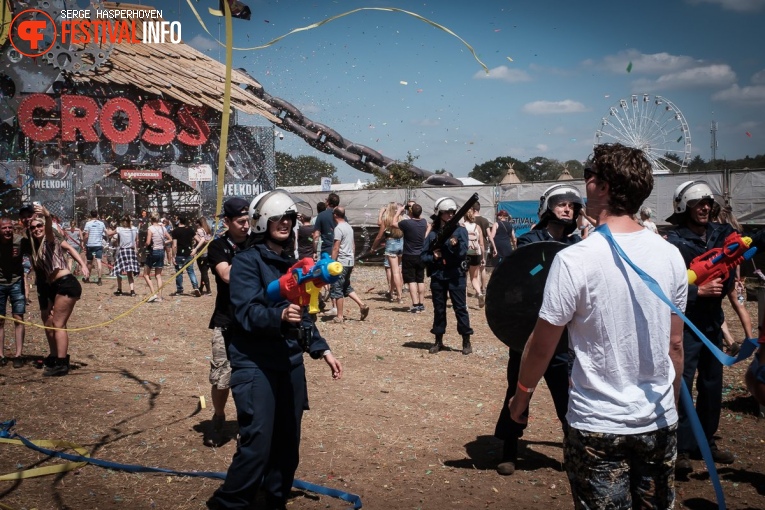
[394, 249]
[156, 238]
[57, 289]
[475, 258]
[202, 238]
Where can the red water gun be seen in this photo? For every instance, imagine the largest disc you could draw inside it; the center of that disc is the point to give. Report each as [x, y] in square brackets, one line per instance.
[718, 262]
[301, 284]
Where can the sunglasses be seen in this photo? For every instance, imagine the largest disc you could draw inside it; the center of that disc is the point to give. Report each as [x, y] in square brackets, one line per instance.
[589, 173]
[37, 227]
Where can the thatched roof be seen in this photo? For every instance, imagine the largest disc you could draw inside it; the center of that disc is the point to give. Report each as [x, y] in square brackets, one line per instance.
[510, 177]
[175, 71]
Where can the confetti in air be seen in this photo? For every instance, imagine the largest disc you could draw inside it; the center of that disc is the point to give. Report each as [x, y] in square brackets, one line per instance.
[402, 82]
[748, 134]
[629, 67]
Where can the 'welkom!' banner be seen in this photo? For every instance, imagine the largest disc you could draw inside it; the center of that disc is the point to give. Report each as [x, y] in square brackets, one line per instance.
[523, 214]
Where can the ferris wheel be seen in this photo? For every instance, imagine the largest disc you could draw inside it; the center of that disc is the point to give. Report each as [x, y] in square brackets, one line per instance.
[652, 124]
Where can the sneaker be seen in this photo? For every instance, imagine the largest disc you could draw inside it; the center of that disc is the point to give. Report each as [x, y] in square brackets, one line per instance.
[683, 466]
[364, 312]
[85, 280]
[421, 307]
[197, 293]
[118, 293]
[18, 362]
[152, 299]
[481, 300]
[506, 468]
[415, 309]
[3, 361]
[98, 282]
[176, 293]
[59, 368]
[132, 293]
[338, 320]
[214, 436]
[331, 311]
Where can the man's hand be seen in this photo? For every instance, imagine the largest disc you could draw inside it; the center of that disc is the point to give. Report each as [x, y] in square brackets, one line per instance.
[711, 288]
[453, 241]
[334, 364]
[436, 254]
[293, 313]
[517, 406]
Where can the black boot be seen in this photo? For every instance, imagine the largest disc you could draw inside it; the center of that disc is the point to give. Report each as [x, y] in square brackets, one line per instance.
[509, 457]
[466, 347]
[60, 367]
[438, 346]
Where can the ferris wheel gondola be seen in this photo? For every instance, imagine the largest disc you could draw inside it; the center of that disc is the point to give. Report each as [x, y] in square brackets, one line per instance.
[652, 124]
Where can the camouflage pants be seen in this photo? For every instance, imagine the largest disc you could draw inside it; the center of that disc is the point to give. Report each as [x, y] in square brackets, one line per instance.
[610, 471]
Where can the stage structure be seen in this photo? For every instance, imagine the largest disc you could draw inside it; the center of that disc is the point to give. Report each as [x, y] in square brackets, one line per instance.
[124, 128]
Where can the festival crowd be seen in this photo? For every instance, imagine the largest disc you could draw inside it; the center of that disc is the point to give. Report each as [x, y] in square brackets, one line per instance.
[615, 378]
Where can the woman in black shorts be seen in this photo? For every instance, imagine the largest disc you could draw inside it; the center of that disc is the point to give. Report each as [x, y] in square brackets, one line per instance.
[57, 289]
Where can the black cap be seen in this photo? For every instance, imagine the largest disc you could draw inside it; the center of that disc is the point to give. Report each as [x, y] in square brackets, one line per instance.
[236, 207]
[27, 209]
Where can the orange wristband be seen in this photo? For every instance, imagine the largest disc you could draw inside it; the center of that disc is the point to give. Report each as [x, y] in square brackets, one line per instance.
[524, 388]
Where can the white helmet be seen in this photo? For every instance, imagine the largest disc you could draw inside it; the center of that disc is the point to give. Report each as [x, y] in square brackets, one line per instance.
[445, 204]
[687, 195]
[273, 205]
[559, 193]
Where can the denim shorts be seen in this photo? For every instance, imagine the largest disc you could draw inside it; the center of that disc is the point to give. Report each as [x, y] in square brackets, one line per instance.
[92, 252]
[14, 291]
[156, 259]
[394, 247]
[342, 286]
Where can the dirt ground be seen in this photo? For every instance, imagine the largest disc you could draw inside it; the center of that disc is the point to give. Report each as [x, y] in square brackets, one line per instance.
[402, 429]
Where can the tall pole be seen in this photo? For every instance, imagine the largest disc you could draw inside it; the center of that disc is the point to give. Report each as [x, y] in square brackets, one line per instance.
[714, 140]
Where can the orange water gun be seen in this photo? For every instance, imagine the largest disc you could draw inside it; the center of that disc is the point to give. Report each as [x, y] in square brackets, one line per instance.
[718, 262]
[302, 283]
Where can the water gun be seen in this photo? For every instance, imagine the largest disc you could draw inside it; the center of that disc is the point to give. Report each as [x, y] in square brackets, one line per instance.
[718, 262]
[301, 284]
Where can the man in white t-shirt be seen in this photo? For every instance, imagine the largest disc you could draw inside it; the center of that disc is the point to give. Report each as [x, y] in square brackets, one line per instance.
[628, 345]
[94, 247]
[343, 250]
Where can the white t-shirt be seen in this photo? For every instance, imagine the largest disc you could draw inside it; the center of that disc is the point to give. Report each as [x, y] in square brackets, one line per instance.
[95, 230]
[622, 376]
[344, 232]
[127, 236]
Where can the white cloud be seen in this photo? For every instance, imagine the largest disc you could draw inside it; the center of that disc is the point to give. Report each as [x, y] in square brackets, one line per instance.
[759, 78]
[752, 96]
[552, 107]
[718, 75]
[503, 73]
[656, 63]
[541, 147]
[734, 5]
[202, 43]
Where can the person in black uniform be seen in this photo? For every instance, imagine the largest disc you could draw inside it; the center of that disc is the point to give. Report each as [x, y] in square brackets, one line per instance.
[559, 208]
[447, 267]
[267, 342]
[694, 235]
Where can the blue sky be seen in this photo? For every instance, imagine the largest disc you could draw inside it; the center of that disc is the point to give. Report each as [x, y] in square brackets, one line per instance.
[569, 66]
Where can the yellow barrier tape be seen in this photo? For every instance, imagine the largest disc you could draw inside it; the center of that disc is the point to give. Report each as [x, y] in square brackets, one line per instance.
[223, 150]
[47, 470]
[338, 16]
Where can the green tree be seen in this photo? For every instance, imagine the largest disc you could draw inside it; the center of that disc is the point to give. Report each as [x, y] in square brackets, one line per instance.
[492, 172]
[697, 164]
[399, 175]
[575, 168]
[673, 162]
[302, 170]
[540, 168]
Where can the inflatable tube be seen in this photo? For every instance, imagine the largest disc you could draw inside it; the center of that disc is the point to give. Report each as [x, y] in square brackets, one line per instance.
[327, 132]
[351, 159]
[442, 180]
[368, 154]
[306, 134]
[288, 108]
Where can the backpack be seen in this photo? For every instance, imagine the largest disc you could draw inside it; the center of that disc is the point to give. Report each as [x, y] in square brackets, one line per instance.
[473, 247]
